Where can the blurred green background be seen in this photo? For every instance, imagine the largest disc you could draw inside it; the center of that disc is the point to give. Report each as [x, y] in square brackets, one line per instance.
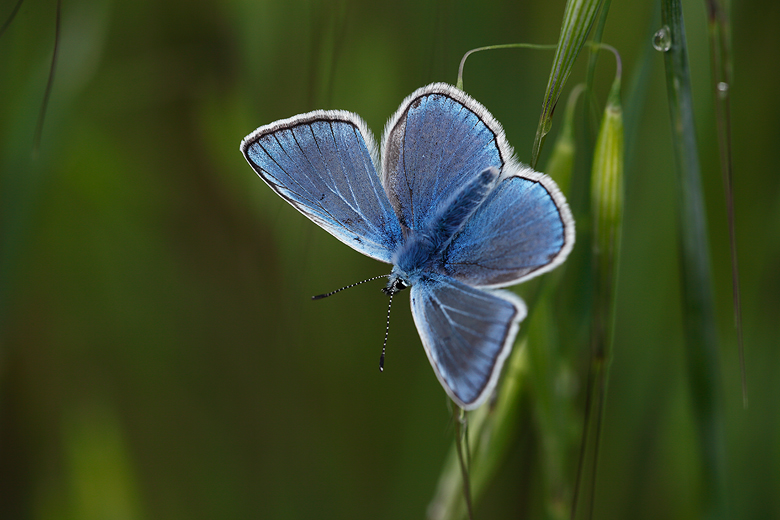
[159, 354]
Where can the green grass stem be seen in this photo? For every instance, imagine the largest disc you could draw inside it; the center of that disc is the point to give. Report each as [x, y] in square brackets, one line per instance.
[607, 206]
[491, 429]
[560, 164]
[721, 69]
[544, 47]
[598, 32]
[697, 293]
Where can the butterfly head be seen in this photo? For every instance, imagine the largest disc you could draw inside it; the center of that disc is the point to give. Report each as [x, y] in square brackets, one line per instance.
[397, 282]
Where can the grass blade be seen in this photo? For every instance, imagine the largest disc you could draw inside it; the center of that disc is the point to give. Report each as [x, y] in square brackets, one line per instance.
[592, 107]
[697, 294]
[11, 17]
[49, 82]
[607, 205]
[561, 162]
[720, 57]
[578, 17]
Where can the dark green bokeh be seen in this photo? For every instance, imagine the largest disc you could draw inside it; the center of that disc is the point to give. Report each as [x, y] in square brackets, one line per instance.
[159, 354]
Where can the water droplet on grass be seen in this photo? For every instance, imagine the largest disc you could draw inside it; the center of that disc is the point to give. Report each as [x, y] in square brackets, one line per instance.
[662, 39]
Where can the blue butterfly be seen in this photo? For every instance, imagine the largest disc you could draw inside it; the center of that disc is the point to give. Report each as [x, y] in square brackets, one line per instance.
[445, 203]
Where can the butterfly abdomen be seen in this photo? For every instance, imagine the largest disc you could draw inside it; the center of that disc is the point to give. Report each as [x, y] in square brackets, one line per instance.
[453, 212]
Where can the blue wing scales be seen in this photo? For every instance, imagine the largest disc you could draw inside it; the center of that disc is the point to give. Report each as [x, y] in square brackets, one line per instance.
[523, 228]
[467, 334]
[322, 163]
[438, 140]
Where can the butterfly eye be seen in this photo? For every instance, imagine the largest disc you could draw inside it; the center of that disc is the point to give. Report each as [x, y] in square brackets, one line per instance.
[395, 285]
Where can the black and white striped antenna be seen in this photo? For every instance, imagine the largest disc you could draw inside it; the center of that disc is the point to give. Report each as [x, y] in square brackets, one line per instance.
[389, 306]
[387, 332]
[331, 293]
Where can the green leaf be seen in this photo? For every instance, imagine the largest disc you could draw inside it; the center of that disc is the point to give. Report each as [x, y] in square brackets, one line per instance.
[607, 207]
[578, 18]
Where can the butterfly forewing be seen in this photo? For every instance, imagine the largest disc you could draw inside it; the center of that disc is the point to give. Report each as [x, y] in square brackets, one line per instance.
[438, 140]
[321, 164]
[467, 334]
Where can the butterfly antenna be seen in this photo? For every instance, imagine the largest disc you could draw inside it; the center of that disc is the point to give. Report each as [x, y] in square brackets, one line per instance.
[387, 332]
[331, 293]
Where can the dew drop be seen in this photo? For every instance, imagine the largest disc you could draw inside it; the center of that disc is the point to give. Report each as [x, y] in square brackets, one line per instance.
[662, 39]
[723, 89]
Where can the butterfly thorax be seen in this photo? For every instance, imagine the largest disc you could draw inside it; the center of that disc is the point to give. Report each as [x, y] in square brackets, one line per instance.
[416, 255]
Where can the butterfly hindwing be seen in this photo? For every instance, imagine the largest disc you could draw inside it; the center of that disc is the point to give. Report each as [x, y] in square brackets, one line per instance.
[438, 140]
[522, 229]
[323, 163]
[467, 334]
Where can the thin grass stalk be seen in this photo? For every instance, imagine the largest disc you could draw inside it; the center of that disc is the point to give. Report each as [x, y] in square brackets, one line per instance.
[607, 205]
[721, 69]
[635, 93]
[491, 427]
[464, 457]
[595, 41]
[555, 409]
[459, 83]
[578, 17]
[560, 165]
[49, 83]
[549, 365]
[11, 17]
[698, 308]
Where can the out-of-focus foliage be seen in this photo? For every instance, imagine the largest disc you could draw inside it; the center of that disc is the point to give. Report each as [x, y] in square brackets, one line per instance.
[159, 354]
